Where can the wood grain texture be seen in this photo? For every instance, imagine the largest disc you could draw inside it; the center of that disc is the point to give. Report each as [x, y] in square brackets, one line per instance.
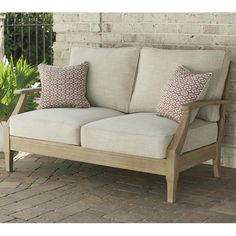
[221, 123]
[77, 153]
[8, 152]
[173, 153]
[203, 103]
[20, 105]
[196, 157]
[28, 90]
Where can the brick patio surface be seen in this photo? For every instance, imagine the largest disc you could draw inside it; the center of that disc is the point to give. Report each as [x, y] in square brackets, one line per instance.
[44, 189]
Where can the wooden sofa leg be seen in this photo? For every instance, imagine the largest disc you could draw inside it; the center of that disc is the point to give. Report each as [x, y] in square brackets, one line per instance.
[9, 161]
[172, 177]
[171, 189]
[9, 155]
[216, 162]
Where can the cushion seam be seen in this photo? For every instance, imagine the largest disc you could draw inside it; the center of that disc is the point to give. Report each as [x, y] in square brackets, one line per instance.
[119, 132]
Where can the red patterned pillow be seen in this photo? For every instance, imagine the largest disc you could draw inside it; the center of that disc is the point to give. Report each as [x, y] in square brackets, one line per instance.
[184, 87]
[63, 86]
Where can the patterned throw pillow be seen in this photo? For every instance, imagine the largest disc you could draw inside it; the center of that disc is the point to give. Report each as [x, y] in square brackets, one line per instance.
[184, 87]
[63, 86]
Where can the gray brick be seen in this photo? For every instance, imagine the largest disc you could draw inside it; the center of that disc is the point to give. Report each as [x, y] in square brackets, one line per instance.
[73, 208]
[29, 213]
[111, 38]
[90, 17]
[95, 28]
[85, 217]
[16, 206]
[225, 207]
[190, 28]
[4, 218]
[124, 216]
[52, 217]
[133, 38]
[133, 17]
[70, 17]
[6, 184]
[111, 17]
[79, 27]
[83, 37]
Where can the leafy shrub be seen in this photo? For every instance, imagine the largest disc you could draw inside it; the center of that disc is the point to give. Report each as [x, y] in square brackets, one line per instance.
[12, 77]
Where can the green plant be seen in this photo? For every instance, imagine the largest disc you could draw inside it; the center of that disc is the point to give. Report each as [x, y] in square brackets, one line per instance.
[12, 77]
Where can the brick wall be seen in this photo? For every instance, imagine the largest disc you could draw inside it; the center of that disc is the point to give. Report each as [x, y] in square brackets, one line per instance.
[171, 30]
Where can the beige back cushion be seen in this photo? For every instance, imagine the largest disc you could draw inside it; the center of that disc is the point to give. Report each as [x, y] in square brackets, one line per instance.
[111, 74]
[157, 65]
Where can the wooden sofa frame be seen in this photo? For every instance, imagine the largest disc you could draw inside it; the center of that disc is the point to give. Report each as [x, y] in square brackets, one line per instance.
[171, 166]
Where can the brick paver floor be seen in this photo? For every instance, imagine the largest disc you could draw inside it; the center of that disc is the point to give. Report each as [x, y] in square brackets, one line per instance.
[44, 189]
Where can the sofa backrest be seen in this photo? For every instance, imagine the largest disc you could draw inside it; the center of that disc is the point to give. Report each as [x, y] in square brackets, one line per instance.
[157, 65]
[111, 74]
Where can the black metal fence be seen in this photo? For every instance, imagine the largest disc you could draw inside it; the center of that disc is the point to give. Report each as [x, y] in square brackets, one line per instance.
[30, 35]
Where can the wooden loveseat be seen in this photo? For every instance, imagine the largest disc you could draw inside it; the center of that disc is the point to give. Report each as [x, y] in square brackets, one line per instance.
[121, 128]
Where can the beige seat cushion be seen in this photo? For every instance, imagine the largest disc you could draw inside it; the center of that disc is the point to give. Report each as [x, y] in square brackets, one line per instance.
[111, 75]
[58, 124]
[157, 65]
[143, 134]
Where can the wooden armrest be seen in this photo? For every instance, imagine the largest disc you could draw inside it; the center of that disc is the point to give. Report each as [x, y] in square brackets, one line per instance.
[202, 103]
[22, 100]
[28, 90]
[178, 140]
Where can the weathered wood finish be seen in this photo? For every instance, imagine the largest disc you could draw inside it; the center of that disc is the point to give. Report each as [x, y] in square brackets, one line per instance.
[8, 151]
[221, 122]
[171, 166]
[22, 100]
[28, 90]
[217, 159]
[203, 103]
[196, 157]
[77, 153]
[173, 153]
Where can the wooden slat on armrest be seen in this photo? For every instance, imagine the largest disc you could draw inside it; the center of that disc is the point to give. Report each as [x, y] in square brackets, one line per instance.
[22, 100]
[203, 103]
[178, 140]
[28, 90]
